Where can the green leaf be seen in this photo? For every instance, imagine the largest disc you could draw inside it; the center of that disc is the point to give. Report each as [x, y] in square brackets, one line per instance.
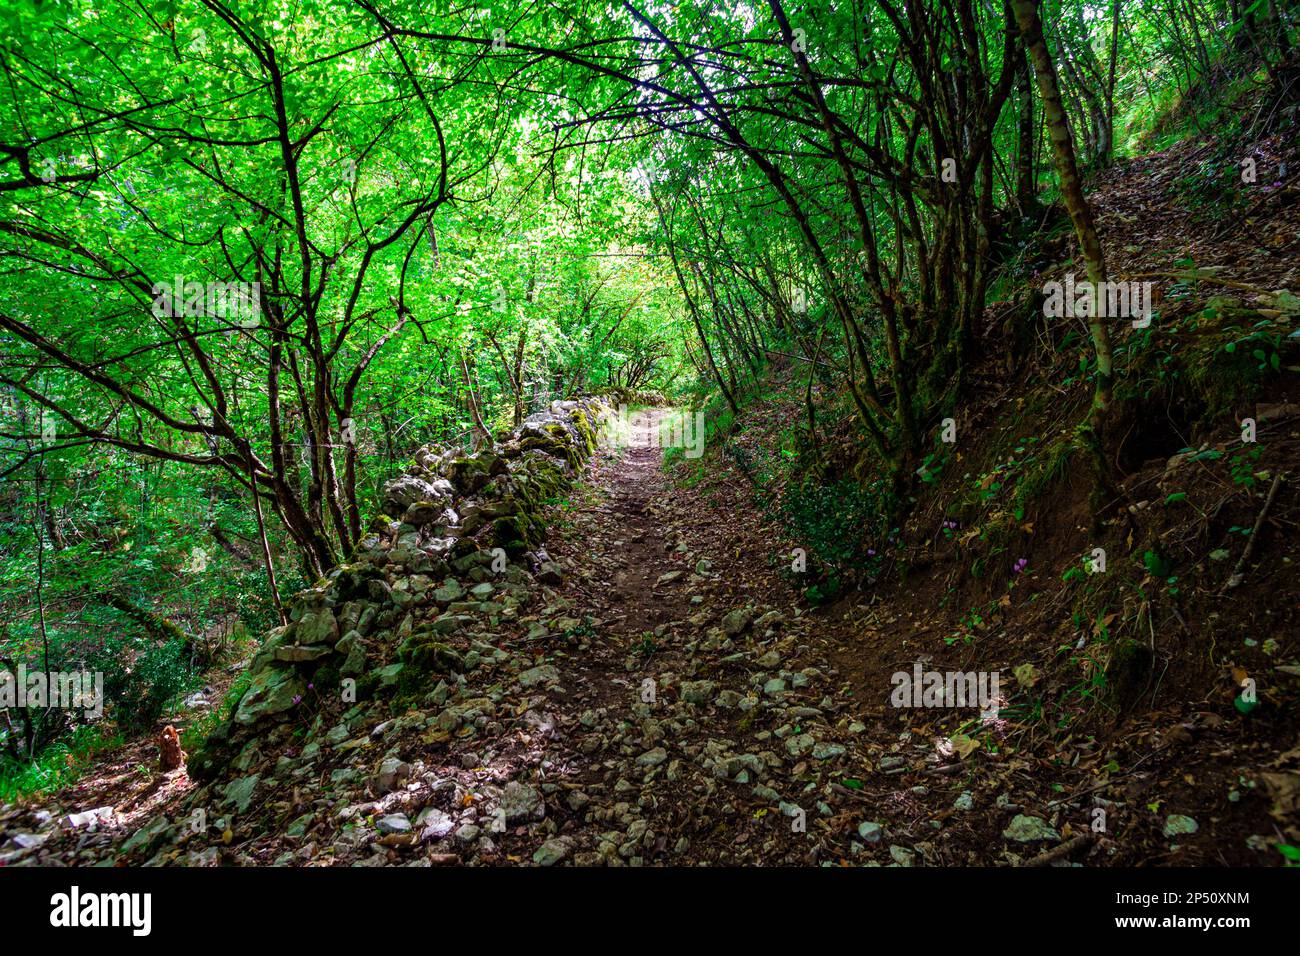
[1156, 564]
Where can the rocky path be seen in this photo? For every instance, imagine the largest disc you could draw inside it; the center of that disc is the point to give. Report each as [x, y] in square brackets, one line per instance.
[700, 720]
[660, 703]
[653, 695]
[661, 684]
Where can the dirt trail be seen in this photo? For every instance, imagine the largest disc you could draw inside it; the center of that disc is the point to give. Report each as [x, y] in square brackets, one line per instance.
[787, 754]
[668, 703]
[644, 718]
[654, 571]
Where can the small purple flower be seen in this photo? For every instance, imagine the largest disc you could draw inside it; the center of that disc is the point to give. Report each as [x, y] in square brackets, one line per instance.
[871, 552]
[1020, 565]
[297, 698]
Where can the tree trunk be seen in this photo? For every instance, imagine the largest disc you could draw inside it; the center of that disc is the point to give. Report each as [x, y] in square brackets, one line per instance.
[520, 411]
[1026, 183]
[1109, 93]
[1067, 170]
[472, 400]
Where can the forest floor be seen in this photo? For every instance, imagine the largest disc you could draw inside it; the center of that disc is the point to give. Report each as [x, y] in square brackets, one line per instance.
[685, 709]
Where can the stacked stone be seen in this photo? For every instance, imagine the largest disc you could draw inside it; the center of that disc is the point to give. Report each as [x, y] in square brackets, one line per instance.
[455, 527]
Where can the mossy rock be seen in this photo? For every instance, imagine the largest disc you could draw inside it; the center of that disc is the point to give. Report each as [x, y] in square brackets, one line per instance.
[421, 513]
[468, 474]
[423, 652]
[493, 463]
[266, 654]
[273, 691]
[554, 447]
[380, 524]
[462, 547]
[425, 659]
[330, 674]
[213, 755]
[507, 528]
[500, 509]
[514, 534]
[586, 431]
[352, 581]
[547, 481]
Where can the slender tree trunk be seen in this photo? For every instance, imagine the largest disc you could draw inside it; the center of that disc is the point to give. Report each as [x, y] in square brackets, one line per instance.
[472, 400]
[1067, 170]
[266, 545]
[692, 307]
[1109, 93]
[1026, 184]
[1280, 37]
[519, 378]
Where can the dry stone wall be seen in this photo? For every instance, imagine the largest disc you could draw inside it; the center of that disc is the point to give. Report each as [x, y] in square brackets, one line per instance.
[460, 538]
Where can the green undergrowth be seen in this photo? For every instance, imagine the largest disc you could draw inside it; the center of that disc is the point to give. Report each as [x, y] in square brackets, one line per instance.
[198, 730]
[57, 766]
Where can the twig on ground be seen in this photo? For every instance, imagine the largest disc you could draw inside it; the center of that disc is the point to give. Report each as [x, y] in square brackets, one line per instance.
[1239, 572]
[1063, 850]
